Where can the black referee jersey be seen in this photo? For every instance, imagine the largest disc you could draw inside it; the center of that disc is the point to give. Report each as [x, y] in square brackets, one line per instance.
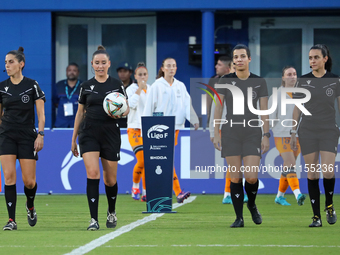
[18, 101]
[259, 87]
[92, 94]
[323, 91]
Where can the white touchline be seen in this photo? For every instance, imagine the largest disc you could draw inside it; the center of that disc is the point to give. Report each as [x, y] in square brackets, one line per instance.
[226, 245]
[105, 238]
[180, 245]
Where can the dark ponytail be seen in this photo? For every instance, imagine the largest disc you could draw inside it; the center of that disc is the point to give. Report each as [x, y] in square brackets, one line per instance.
[325, 52]
[19, 55]
[160, 73]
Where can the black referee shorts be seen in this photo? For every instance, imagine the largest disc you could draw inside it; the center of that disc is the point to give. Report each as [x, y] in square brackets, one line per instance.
[18, 141]
[320, 138]
[100, 136]
[241, 141]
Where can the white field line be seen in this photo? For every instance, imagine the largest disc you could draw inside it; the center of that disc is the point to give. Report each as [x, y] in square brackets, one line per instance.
[105, 238]
[227, 245]
[180, 245]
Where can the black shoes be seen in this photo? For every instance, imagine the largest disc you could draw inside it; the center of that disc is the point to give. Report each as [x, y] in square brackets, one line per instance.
[330, 214]
[255, 214]
[238, 223]
[111, 221]
[31, 216]
[93, 225]
[11, 225]
[316, 222]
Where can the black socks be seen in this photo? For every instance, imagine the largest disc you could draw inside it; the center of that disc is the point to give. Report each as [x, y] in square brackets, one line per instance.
[30, 194]
[237, 196]
[92, 191]
[314, 195]
[251, 190]
[11, 200]
[329, 190]
[111, 194]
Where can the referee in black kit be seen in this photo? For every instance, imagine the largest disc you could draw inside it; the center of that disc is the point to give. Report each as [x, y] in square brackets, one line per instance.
[241, 141]
[318, 132]
[99, 137]
[18, 136]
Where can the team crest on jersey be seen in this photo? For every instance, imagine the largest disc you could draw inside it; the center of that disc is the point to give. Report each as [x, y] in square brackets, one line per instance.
[254, 94]
[25, 99]
[308, 82]
[233, 82]
[6, 88]
[329, 92]
[92, 87]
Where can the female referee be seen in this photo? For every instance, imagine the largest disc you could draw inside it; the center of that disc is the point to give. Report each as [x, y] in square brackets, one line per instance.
[242, 141]
[18, 136]
[170, 96]
[318, 132]
[282, 141]
[226, 198]
[99, 137]
[137, 93]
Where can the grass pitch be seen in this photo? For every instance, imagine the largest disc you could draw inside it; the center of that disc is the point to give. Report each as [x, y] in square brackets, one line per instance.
[201, 227]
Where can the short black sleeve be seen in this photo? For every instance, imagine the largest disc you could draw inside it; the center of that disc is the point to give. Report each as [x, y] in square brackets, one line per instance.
[337, 92]
[262, 90]
[223, 80]
[82, 97]
[39, 94]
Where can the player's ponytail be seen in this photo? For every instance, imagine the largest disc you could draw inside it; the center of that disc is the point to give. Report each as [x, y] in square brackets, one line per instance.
[160, 73]
[101, 50]
[19, 55]
[325, 52]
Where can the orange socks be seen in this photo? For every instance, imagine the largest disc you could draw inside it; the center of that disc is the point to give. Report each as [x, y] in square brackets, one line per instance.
[143, 181]
[293, 181]
[227, 182]
[176, 186]
[138, 170]
[283, 185]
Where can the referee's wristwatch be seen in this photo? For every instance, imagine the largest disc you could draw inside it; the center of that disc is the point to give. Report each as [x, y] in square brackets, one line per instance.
[266, 134]
[292, 131]
[41, 133]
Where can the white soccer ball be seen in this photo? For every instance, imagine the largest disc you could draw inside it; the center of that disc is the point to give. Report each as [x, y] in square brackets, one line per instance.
[115, 104]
